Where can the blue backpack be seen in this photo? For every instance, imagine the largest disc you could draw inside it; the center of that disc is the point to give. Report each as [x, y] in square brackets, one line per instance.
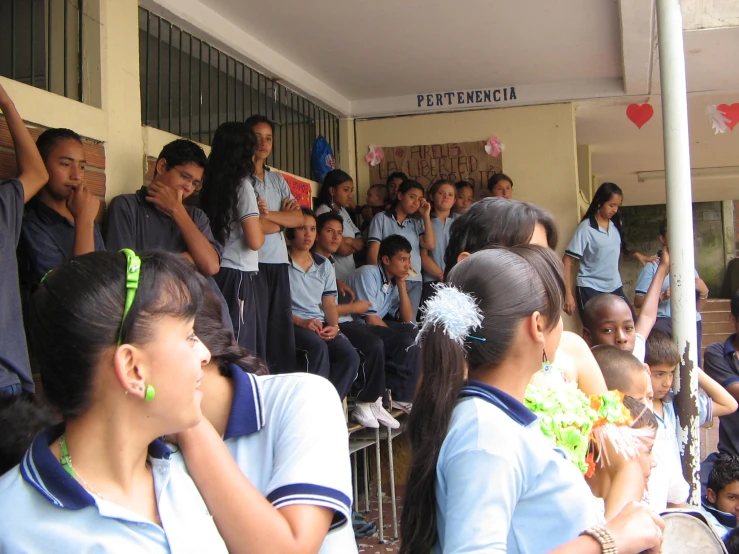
[322, 158]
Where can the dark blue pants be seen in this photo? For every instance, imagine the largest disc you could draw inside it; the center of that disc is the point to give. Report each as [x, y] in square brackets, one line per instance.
[274, 317]
[370, 382]
[239, 290]
[336, 359]
[402, 363]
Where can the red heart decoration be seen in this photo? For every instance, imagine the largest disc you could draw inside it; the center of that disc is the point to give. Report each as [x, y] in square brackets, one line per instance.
[731, 113]
[639, 114]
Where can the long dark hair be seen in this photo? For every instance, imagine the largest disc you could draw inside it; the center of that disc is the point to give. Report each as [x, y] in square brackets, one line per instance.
[229, 164]
[508, 285]
[404, 187]
[332, 180]
[220, 341]
[496, 221]
[601, 196]
[76, 314]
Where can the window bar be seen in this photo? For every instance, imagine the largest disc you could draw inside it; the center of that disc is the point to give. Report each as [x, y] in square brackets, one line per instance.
[228, 100]
[48, 45]
[218, 94]
[169, 80]
[179, 86]
[200, 91]
[159, 72]
[251, 91]
[303, 144]
[259, 93]
[12, 39]
[292, 133]
[190, 118]
[80, 48]
[243, 92]
[282, 110]
[210, 92]
[66, 26]
[146, 73]
[33, 43]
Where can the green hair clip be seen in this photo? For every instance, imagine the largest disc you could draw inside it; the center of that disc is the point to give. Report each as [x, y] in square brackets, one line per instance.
[133, 273]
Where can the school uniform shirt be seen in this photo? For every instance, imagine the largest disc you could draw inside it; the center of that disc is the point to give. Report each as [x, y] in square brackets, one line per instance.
[236, 254]
[441, 232]
[288, 436]
[598, 251]
[500, 486]
[43, 509]
[307, 288]
[370, 282]
[47, 238]
[646, 276]
[721, 522]
[721, 364]
[640, 347]
[15, 369]
[274, 189]
[343, 265]
[386, 223]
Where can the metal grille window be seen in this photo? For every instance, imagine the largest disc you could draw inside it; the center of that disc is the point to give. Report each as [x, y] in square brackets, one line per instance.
[189, 87]
[44, 43]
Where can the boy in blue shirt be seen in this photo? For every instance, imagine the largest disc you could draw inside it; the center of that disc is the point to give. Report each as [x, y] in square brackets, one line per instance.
[390, 315]
[720, 504]
[15, 368]
[313, 290]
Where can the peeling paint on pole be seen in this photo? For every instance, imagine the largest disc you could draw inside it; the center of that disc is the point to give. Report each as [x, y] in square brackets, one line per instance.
[686, 408]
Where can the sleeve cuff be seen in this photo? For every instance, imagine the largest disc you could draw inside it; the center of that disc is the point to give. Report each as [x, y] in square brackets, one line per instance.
[314, 495]
[573, 254]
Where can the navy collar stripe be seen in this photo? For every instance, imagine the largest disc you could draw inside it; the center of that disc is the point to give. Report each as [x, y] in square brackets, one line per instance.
[247, 412]
[729, 345]
[512, 407]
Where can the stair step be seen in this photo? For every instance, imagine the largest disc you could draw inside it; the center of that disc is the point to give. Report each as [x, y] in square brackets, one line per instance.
[715, 317]
[712, 327]
[716, 305]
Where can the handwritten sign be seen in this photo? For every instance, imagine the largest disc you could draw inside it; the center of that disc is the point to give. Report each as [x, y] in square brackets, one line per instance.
[462, 98]
[456, 161]
[301, 190]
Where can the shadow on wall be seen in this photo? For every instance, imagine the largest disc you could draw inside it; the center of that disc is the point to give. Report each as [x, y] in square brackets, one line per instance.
[642, 234]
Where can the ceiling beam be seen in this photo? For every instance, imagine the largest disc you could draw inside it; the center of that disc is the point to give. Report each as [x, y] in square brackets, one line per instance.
[638, 41]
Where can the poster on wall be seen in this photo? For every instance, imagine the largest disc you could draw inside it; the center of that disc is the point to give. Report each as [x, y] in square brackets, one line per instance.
[456, 161]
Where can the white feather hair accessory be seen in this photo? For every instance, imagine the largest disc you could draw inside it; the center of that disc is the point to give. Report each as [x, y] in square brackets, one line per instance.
[455, 311]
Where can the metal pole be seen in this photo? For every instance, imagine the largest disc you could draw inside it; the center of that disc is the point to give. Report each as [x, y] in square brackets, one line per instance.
[680, 232]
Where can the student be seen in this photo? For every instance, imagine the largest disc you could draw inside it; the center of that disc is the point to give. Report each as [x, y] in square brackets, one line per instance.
[608, 318]
[288, 436]
[720, 504]
[400, 219]
[370, 382]
[624, 373]
[21, 419]
[500, 185]
[664, 312]
[229, 202]
[60, 221]
[669, 488]
[722, 365]
[375, 202]
[465, 196]
[442, 197]
[597, 244]
[392, 183]
[322, 349]
[389, 315]
[113, 336]
[15, 368]
[274, 306]
[475, 481]
[336, 195]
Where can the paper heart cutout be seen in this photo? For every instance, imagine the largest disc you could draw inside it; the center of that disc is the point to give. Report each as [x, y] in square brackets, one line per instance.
[639, 114]
[731, 112]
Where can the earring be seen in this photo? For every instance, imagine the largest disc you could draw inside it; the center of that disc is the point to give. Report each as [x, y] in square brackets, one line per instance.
[150, 393]
[546, 365]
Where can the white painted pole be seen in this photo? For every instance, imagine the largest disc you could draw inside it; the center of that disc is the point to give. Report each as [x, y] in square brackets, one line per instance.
[680, 231]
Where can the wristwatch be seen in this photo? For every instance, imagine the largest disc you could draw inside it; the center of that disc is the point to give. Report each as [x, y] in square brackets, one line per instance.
[604, 538]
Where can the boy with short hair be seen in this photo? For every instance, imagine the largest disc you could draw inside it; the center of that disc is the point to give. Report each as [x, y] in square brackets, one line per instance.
[313, 290]
[15, 368]
[392, 183]
[623, 372]
[721, 501]
[389, 315]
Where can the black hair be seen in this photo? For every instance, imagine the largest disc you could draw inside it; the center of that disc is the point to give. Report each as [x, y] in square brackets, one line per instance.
[290, 231]
[496, 222]
[642, 417]
[731, 541]
[382, 188]
[393, 244]
[76, 314]
[254, 120]
[230, 163]
[220, 340]
[497, 178]
[325, 217]
[661, 349]
[617, 366]
[47, 140]
[395, 175]
[663, 228]
[459, 185]
[405, 187]
[332, 180]
[725, 471]
[21, 419]
[735, 304]
[183, 151]
[592, 313]
[601, 196]
[508, 285]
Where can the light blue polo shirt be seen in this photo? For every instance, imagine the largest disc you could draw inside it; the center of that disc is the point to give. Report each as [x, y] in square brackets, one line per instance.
[307, 288]
[370, 282]
[441, 233]
[343, 265]
[43, 509]
[500, 487]
[646, 276]
[274, 189]
[236, 254]
[288, 436]
[598, 252]
[385, 224]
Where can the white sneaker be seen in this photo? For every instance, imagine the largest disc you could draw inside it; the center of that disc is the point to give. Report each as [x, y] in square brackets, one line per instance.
[364, 415]
[405, 406]
[383, 416]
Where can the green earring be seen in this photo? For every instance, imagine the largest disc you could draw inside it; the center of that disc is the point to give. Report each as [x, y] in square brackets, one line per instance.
[150, 393]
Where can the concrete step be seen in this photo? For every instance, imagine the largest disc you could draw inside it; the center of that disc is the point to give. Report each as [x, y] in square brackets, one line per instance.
[716, 305]
[717, 327]
[715, 317]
